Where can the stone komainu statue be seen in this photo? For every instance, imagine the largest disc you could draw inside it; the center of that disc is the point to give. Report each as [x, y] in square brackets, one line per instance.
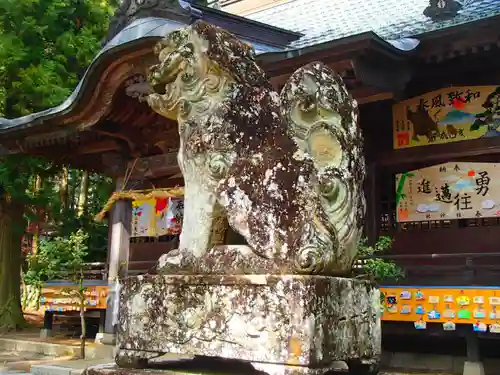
[287, 170]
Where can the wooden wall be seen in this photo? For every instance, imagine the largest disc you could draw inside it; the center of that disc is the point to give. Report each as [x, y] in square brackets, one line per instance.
[466, 252]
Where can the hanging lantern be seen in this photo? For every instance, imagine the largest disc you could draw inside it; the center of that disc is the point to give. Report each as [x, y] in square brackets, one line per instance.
[441, 10]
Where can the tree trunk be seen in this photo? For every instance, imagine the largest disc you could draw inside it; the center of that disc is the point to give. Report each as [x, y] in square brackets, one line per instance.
[82, 315]
[36, 228]
[11, 315]
[84, 189]
[24, 295]
[63, 188]
[84, 330]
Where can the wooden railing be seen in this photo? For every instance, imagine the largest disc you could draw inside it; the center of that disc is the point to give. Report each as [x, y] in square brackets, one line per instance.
[99, 270]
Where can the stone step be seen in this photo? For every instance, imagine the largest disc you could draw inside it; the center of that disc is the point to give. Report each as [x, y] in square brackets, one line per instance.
[51, 370]
[94, 351]
[74, 367]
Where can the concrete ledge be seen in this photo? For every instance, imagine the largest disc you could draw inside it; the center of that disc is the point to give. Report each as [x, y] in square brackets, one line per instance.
[430, 363]
[93, 351]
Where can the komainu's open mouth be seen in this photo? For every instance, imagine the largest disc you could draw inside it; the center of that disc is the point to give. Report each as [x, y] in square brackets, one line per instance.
[166, 72]
[172, 64]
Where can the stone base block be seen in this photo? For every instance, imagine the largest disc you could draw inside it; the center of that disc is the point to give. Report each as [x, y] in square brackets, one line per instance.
[473, 368]
[106, 338]
[46, 333]
[291, 320]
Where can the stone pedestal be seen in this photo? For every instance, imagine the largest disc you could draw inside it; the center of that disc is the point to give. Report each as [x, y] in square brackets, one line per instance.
[473, 368]
[282, 324]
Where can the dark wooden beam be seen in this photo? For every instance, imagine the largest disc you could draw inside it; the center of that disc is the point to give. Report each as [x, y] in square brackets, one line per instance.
[326, 55]
[469, 70]
[376, 97]
[440, 153]
[153, 167]
[119, 135]
[468, 38]
[98, 147]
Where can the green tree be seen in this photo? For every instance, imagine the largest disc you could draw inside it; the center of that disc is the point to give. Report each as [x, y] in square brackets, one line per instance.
[45, 47]
[62, 258]
[375, 268]
[17, 175]
[62, 218]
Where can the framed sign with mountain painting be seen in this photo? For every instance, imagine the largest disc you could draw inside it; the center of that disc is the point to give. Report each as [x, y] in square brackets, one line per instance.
[447, 115]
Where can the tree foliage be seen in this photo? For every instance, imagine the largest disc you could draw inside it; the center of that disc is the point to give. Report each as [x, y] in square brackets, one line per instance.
[58, 258]
[45, 48]
[375, 268]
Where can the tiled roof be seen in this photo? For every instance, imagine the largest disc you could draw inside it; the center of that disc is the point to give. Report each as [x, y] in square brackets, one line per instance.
[325, 20]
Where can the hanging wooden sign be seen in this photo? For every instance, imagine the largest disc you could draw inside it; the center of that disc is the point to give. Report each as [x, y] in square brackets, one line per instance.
[449, 191]
[447, 115]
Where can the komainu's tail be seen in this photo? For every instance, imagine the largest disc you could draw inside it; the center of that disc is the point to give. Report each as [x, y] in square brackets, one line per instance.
[323, 120]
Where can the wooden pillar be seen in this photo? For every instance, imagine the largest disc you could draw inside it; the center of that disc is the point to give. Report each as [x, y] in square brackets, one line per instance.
[48, 320]
[118, 257]
[472, 345]
[473, 364]
[372, 204]
[102, 322]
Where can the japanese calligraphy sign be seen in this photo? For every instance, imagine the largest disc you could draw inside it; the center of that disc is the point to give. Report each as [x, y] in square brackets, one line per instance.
[449, 191]
[447, 115]
[156, 217]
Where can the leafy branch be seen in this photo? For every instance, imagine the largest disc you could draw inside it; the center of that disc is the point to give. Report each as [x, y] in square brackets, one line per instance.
[374, 268]
[491, 111]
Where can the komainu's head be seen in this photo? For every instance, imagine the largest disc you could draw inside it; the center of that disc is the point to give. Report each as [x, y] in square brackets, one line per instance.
[197, 60]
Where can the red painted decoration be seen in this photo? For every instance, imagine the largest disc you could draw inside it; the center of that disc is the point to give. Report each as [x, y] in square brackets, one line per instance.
[161, 204]
[458, 103]
[403, 139]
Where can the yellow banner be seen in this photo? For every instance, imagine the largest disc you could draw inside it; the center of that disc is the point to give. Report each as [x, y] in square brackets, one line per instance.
[449, 191]
[156, 217]
[447, 115]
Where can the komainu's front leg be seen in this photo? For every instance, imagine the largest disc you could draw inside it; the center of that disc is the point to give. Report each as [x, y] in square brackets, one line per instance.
[199, 210]
[199, 206]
